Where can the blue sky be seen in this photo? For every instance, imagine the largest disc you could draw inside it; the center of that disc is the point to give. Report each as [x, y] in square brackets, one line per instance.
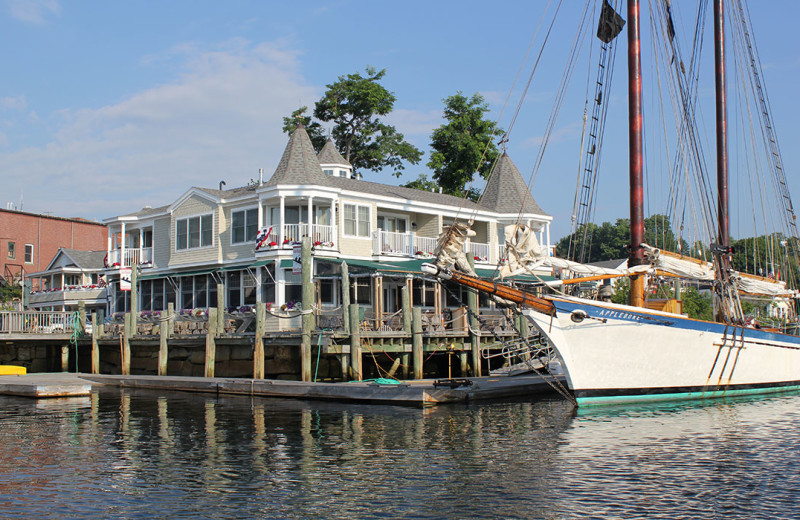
[106, 107]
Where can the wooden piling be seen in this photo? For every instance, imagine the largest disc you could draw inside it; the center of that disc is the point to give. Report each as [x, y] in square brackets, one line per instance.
[307, 319]
[258, 347]
[163, 348]
[346, 297]
[405, 299]
[416, 342]
[221, 309]
[82, 315]
[134, 299]
[211, 344]
[95, 346]
[126, 345]
[355, 343]
[65, 358]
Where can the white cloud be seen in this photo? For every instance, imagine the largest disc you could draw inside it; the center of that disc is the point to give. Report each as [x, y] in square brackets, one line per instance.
[13, 103]
[33, 11]
[220, 120]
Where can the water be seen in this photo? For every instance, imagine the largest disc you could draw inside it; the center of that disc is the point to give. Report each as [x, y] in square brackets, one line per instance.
[123, 454]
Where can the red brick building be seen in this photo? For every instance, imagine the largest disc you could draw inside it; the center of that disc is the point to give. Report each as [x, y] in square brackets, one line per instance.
[28, 241]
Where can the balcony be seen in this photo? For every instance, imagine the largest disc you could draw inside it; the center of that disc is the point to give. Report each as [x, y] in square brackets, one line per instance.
[322, 236]
[69, 293]
[138, 256]
[408, 244]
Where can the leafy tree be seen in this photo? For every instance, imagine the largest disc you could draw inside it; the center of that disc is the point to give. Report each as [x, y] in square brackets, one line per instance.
[422, 183]
[354, 105]
[9, 292]
[463, 145]
[314, 129]
[696, 304]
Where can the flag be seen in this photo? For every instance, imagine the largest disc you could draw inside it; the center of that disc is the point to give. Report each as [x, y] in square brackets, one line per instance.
[262, 237]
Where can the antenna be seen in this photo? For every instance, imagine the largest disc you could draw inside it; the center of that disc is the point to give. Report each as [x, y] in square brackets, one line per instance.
[221, 184]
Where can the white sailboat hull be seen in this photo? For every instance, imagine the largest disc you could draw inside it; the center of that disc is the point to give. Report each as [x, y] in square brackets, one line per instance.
[614, 353]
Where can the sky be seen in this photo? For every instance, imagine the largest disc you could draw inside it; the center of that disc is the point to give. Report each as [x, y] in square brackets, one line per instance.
[107, 107]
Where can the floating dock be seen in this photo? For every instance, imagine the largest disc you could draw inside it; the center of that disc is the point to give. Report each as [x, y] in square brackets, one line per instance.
[426, 392]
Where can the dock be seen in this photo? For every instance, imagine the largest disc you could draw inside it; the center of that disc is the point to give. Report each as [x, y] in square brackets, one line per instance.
[421, 393]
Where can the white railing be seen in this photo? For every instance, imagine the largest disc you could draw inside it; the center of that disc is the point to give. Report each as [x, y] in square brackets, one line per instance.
[140, 256]
[478, 251]
[390, 243]
[37, 322]
[424, 245]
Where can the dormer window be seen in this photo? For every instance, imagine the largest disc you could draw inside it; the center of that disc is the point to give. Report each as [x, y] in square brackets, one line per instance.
[343, 173]
[328, 172]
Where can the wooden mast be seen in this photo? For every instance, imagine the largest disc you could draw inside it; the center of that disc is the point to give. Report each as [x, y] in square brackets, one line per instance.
[723, 233]
[635, 154]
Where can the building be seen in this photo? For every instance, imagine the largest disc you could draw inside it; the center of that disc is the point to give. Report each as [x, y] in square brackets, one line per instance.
[72, 276]
[206, 237]
[29, 241]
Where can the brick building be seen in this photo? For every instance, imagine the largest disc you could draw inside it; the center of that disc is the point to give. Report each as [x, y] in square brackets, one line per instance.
[29, 241]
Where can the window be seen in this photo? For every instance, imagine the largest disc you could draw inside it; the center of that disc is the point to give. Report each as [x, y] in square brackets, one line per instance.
[328, 172]
[12, 253]
[268, 283]
[28, 253]
[234, 289]
[422, 293]
[360, 291]
[244, 226]
[356, 220]
[194, 232]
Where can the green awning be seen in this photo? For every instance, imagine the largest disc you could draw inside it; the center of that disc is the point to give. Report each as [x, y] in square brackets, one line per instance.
[194, 273]
[262, 263]
[233, 267]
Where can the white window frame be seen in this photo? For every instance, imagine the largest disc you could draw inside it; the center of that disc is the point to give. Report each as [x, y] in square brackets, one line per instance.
[247, 239]
[359, 220]
[25, 257]
[200, 245]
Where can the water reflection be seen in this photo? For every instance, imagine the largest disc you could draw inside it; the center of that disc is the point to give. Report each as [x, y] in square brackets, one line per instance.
[144, 455]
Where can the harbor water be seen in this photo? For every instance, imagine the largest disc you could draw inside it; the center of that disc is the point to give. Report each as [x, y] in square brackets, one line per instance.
[141, 454]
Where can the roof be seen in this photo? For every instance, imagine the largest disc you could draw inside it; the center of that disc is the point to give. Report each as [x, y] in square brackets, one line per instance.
[507, 191]
[330, 155]
[299, 164]
[84, 260]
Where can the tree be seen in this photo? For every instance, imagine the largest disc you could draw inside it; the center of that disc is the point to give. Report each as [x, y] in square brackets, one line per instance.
[354, 104]
[314, 129]
[463, 145]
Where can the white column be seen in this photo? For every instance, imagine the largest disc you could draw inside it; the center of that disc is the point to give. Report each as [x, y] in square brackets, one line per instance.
[281, 230]
[122, 246]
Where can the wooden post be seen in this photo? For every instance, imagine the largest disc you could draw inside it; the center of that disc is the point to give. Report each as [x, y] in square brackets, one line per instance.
[308, 317]
[416, 342]
[163, 348]
[221, 308]
[258, 347]
[474, 337]
[82, 315]
[171, 320]
[346, 297]
[406, 306]
[95, 347]
[65, 358]
[101, 318]
[211, 344]
[355, 343]
[125, 357]
[134, 299]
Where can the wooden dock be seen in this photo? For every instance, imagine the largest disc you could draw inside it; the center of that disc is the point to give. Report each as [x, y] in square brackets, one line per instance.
[45, 385]
[426, 392]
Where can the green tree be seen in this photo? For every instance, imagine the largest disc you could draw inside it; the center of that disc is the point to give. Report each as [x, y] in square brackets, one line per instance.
[696, 304]
[354, 105]
[314, 129]
[463, 145]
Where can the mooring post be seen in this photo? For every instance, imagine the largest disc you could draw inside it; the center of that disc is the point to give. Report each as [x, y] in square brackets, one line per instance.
[346, 297]
[211, 344]
[405, 299]
[171, 320]
[126, 344]
[308, 317]
[65, 358]
[355, 343]
[416, 342]
[82, 316]
[474, 328]
[101, 318]
[95, 346]
[163, 346]
[134, 299]
[258, 347]
[221, 308]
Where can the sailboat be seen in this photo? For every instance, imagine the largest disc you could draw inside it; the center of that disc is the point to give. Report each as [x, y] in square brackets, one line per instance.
[612, 353]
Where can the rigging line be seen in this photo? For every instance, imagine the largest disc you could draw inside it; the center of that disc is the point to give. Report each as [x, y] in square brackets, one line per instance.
[503, 109]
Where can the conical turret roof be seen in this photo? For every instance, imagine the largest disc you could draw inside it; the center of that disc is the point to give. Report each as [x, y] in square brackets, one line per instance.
[330, 155]
[507, 191]
[299, 163]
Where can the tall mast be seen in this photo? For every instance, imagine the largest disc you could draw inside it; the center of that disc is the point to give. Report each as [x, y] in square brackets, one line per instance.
[635, 154]
[723, 233]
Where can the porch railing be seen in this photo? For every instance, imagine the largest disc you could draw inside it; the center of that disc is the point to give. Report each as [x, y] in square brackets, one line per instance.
[321, 235]
[37, 322]
[133, 256]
